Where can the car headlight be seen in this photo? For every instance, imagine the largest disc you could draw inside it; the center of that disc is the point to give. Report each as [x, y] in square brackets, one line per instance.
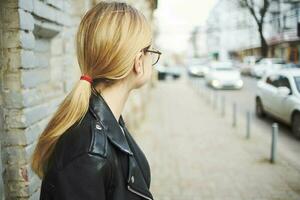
[215, 83]
[240, 83]
[195, 71]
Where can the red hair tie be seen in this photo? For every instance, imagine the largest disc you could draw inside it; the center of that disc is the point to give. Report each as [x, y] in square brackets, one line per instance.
[87, 78]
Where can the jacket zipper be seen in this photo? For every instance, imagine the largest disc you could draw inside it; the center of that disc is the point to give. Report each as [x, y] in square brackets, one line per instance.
[132, 190]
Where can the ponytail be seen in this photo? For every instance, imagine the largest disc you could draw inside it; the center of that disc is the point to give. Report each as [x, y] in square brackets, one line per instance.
[71, 110]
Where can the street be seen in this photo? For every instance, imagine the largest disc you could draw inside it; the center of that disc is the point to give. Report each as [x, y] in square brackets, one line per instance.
[245, 100]
[194, 153]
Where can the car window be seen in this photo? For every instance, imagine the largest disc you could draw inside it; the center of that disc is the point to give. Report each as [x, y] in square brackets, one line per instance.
[273, 80]
[224, 69]
[278, 61]
[297, 81]
[283, 81]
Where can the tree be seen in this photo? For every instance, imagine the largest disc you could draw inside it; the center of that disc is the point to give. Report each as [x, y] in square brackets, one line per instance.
[258, 10]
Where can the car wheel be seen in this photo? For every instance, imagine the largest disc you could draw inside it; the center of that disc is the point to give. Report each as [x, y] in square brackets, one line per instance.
[259, 109]
[296, 125]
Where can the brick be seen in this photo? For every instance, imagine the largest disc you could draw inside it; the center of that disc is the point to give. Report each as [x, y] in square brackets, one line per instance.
[17, 39]
[27, 40]
[33, 132]
[11, 82]
[35, 195]
[14, 137]
[26, 20]
[14, 59]
[14, 155]
[23, 137]
[17, 19]
[57, 46]
[70, 45]
[29, 150]
[42, 60]
[17, 189]
[63, 18]
[13, 99]
[45, 91]
[34, 114]
[34, 77]
[28, 59]
[11, 39]
[23, 4]
[42, 45]
[57, 64]
[17, 172]
[56, 3]
[10, 61]
[44, 11]
[10, 18]
[23, 118]
[34, 185]
[67, 7]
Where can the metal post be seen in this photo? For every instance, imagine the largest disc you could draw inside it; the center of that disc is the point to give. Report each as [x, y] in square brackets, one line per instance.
[223, 106]
[234, 114]
[215, 100]
[274, 142]
[207, 96]
[248, 124]
[211, 96]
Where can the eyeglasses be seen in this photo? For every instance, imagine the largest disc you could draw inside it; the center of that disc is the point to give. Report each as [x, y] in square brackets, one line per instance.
[154, 54]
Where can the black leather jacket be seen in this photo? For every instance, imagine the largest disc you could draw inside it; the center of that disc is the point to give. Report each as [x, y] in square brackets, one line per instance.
[94, 160]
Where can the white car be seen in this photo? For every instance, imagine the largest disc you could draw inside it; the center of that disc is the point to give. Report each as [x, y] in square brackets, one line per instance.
[222, 75]
[267, 65]
[198, 68]
[278, 94]
[248, 63]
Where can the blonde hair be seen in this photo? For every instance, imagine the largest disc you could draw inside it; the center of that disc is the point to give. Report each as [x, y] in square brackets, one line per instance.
[108, 38]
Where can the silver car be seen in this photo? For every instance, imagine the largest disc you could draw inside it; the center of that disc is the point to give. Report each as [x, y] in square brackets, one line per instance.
[223, 75]
[267, 65]
[278, 94]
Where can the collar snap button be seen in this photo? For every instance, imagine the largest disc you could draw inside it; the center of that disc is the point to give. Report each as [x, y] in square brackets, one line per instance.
[98, 127]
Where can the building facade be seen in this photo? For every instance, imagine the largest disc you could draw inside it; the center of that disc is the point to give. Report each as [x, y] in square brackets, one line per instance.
[231, 31]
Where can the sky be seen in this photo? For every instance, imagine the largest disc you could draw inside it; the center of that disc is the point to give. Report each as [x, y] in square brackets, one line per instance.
[177, 18]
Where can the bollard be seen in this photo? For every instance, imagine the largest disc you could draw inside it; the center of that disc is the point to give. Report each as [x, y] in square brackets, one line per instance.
[248, 116]
[207, 95]
[223, 106]
[274, 142]
[211, 97]
[215, 100]
[234, 114]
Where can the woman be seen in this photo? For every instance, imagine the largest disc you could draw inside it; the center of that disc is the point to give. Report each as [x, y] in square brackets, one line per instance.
[85, 151]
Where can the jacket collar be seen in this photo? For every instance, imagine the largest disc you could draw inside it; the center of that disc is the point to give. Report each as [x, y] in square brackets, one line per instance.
[136, 182]
[100, 109]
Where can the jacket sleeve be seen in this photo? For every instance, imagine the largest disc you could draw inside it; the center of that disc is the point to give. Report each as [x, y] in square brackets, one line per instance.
[86, 177]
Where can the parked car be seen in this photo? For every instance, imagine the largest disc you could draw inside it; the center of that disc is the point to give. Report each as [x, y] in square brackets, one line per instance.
[248, 63]
[161, 72]
[169, 71]
[222, 75]
[198, 70]
[174, 71]
[278, 95]
[197, 67]
[290, 65]
[267, 65]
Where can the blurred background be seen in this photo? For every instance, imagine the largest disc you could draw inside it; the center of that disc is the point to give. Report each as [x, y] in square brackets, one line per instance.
[220, 118]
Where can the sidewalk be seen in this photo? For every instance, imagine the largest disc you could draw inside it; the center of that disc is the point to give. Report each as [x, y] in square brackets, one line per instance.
[195, 154]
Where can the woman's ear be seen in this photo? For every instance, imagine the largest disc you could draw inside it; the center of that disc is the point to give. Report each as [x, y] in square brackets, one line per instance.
[138, 63]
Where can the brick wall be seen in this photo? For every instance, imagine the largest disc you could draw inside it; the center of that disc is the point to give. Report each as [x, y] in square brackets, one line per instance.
[38, 67]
